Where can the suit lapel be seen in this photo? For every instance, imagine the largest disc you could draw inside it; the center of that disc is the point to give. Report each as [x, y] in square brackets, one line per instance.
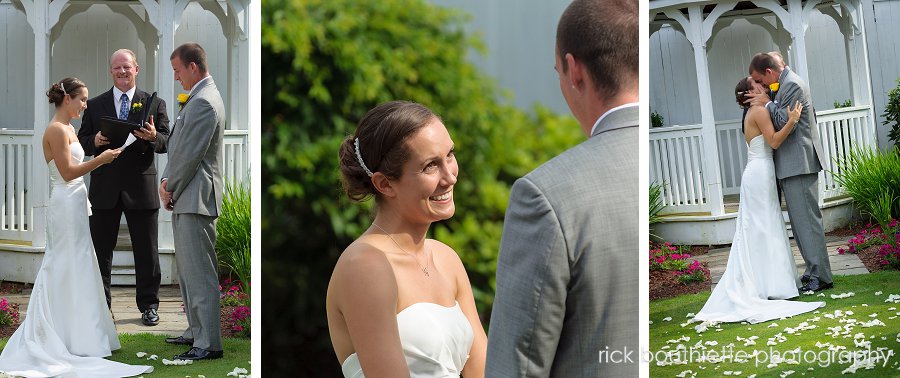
[108, 104]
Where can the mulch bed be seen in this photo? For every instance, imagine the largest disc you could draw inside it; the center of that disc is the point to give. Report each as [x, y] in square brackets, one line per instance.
[663, 284]
[870, 258]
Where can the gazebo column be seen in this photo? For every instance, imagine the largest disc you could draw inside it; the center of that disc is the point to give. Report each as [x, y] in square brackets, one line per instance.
[165, 16]
[698, 30]
[238, 63]
[795, 20]
[41, 15]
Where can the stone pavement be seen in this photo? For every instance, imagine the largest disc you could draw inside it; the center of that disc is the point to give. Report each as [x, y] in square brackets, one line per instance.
[172, 320]
[845, 264]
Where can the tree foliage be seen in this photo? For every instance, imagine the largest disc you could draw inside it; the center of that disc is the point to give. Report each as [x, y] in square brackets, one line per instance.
[327, 62]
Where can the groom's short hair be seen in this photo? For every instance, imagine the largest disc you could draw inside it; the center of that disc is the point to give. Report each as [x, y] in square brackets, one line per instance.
[762, 61]
[191, 52]
[604, 36]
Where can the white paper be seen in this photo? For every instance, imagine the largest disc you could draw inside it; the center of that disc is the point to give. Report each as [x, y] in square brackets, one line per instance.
[129, 141]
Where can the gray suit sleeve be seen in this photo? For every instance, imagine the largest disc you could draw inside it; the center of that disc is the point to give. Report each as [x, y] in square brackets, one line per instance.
[197, 130]
[790, 93]
[532, 277]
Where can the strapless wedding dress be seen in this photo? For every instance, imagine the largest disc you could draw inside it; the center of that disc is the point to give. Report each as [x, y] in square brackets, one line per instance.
[435, 340]
[68, 327]
[761, 272]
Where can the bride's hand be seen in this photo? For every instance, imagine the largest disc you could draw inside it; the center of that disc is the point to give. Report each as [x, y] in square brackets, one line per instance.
[794, 112]
[109, 155]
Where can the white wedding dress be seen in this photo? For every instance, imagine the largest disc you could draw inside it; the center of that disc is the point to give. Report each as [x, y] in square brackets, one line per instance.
[435, 340]
[761, 272]
[68, 328]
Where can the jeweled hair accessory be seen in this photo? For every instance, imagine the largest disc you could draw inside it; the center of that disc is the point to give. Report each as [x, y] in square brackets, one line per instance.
[62, 87]
[359, 157]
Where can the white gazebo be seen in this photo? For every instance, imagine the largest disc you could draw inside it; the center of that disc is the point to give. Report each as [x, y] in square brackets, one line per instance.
[48, 40]
[698, 51]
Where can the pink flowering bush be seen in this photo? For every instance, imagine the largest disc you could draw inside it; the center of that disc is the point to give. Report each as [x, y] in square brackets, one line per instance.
[237, 301]
[888, 240]
[8, 314]
[668, 257]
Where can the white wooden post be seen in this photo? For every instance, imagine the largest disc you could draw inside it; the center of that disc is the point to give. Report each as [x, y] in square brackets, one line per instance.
[41, 15]
[698, 30]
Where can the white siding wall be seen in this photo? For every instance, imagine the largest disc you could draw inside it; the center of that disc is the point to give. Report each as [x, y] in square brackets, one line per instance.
[16, 69]
[882, 18]
[82, 44]
[520, 37]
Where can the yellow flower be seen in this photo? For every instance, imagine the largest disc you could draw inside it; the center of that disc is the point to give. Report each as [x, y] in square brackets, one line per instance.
[182, 98]
[774, 86]
[137, 106]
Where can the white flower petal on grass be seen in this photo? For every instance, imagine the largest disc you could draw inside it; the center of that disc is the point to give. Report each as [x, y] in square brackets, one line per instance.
[893, 298]
[891, 308]
[787, 373]
[177, 362]
[877, 293]
[153, 357]
[140, 354]
[874, 315]
[686, 373]
[842, 295]
[690, 315]
[773, 325]
[667, 319]
[712, 343]
[808, 292]
[201, 376]
[751, 376]
[651, 322]
[873, 323]
[236, 372]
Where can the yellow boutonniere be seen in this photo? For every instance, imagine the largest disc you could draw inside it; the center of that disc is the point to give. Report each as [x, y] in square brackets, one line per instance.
[182, 99]
[774, 86]
[136, 107]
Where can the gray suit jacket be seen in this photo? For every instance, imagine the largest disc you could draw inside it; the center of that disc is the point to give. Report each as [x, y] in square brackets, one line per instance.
[801, 152]
[195, 163]
[567, 274]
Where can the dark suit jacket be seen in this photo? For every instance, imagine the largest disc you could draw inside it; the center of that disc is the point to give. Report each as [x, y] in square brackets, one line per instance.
[133, 174]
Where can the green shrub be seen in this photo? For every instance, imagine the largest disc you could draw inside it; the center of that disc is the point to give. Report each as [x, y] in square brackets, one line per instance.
[656, 206]
[656, 119]
[872, 178]
[845, 104]
[326, 64]
[233, 233]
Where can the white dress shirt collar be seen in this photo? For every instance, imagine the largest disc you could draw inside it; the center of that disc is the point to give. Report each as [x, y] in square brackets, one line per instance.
[197, 84]
[628, 105]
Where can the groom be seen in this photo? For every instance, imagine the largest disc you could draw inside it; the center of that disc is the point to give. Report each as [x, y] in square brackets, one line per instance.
[797, 164]
[191, 188]
[567, 273]
[127, 184]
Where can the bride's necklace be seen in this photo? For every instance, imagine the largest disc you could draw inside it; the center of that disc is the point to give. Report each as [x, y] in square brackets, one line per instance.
[424, 268]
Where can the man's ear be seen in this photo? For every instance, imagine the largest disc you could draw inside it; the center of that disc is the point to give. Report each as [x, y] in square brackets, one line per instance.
[576, 72]
[383, 185]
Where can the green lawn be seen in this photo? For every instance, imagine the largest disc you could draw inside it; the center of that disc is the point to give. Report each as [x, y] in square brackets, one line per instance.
[237, 354]
[810, 360]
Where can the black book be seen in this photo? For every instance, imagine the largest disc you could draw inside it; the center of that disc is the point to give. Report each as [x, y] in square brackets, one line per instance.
[117, 130]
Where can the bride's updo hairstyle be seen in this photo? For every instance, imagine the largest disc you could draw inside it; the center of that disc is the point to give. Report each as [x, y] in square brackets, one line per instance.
[58, 91]
[740, 91]
[378, 145]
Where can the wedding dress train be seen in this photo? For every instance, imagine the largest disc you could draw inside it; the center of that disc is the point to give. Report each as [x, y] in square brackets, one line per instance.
[68, 328]
[761, 272]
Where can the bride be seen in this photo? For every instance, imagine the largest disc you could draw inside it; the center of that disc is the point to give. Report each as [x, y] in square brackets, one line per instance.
[68, 328]
[400, 304]
[761, 272]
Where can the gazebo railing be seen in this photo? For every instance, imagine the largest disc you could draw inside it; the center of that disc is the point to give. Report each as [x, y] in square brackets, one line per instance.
[676, 156]
[16, 218]
[16, 151]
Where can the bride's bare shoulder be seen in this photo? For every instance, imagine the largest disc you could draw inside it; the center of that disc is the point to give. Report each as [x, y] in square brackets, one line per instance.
[363, 273]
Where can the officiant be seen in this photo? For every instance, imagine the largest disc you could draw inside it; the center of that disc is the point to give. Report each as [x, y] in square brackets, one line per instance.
[128, 185]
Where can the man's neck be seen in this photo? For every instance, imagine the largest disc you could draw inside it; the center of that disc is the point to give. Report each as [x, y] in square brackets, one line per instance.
[601, 107]
[125, 90]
